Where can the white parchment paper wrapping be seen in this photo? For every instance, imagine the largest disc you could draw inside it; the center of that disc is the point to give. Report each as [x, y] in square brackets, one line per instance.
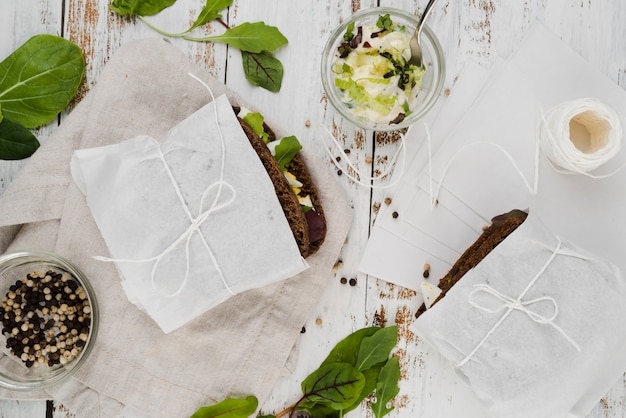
[542, 350]
[131, 189]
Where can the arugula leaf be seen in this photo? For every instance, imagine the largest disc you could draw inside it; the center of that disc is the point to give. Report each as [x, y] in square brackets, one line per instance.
[376, 348]
[140, 7]
[286, 149]
[39, 80]
[336, 385]
[210, 12]
[16, 142]
[229, 408]
[250, 37]
[387, 387]
[262, 69]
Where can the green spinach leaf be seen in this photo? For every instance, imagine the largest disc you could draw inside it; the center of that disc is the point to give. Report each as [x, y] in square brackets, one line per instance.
[346, 350]
[376, 348]
[262, 69]
[209, 12]
[286, 149]
[229, 408]
[16, 142]
[39, 79]
[387, 387]
[140, 7]
[250, 37]
[336, 385]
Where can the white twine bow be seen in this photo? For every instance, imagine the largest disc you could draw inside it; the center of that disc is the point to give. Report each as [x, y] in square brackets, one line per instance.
[195, 221]
[510, 304]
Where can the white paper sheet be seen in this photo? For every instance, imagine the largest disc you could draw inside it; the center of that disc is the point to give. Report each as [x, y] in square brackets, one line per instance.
[243, 244]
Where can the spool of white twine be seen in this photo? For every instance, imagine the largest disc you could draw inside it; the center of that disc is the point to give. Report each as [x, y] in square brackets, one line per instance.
[579, 136]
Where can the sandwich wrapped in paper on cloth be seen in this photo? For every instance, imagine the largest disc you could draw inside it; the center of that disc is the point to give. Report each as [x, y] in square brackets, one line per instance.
[532, 323]
[239, 347]
[179, 217]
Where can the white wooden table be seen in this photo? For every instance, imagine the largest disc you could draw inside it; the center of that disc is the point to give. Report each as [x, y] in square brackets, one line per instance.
[478, 30]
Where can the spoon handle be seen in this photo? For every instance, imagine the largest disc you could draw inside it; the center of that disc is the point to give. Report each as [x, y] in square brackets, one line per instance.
[427, 10]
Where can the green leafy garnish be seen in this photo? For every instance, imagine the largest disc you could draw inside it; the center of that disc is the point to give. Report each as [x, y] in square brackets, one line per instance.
[263, 69]
[39, 79]
[140, 7]
[229, 408]
[249, 37]
[336, 385]
[256, 40]
[210, 12]
[387, 387]
[16, 142]
[375, 349]
[286, 149]
[349, 32]
[255, 120]
[356, 367]
[384, 22]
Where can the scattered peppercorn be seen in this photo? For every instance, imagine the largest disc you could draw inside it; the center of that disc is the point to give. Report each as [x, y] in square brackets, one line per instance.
[394, 215]
[303, 330]
[343, 280]
[352, 282]
[339, 172]
[426, 271]
[387, 201]
[45, 318]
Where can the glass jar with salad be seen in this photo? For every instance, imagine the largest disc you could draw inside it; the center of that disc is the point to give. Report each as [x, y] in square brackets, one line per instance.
[366, 75]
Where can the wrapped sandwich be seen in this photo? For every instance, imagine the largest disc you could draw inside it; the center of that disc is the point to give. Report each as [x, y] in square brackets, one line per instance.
[531, 322]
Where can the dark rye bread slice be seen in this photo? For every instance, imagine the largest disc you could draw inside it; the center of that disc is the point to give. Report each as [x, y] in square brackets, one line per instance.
[501, 227]
[287, 198]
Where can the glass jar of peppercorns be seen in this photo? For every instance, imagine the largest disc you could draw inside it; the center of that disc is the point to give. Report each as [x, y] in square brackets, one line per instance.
[49, 317]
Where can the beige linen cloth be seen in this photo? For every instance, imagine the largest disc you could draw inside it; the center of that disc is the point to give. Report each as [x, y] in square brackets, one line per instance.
[240, 347]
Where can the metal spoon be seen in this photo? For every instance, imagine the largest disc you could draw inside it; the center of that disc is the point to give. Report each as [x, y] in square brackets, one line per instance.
[414, 43]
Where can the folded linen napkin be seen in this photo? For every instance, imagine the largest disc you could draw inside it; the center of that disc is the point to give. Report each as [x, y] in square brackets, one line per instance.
[238, 347]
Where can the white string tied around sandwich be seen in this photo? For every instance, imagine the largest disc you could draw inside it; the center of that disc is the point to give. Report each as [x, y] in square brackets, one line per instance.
[195, 221]
[510, 304]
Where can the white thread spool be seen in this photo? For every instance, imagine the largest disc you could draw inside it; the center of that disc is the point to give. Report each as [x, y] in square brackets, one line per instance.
[579, 136]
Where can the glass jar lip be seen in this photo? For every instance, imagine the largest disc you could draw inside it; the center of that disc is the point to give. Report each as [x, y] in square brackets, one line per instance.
[432, 47]
[23, 257]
